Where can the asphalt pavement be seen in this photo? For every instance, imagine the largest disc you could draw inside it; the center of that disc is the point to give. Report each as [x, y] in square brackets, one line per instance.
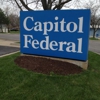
[94, 46]
[8, 44]
[6, 50]
[12, 37]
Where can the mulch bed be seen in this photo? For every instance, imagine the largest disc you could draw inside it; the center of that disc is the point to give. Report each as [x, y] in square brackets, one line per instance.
[47, 66]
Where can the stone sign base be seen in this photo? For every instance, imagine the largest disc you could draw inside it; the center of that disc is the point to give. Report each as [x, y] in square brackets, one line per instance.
[82, 64]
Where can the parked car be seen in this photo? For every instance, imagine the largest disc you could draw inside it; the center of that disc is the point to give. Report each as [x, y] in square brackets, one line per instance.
[14, 29]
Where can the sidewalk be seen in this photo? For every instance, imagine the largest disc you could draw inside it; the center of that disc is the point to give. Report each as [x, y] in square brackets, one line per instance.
[9, 43]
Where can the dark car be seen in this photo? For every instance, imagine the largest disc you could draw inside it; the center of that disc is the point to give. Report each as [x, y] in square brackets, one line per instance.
[14, 29]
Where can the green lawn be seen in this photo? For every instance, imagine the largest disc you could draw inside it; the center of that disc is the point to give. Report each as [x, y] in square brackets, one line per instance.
[19, 84]
[94, 39]
[15, 32]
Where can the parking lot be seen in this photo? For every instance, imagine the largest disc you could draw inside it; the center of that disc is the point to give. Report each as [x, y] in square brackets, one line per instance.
[6, 50]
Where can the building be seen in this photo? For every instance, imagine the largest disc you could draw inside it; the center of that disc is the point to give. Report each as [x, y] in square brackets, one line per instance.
[3, 28]
[95, 26]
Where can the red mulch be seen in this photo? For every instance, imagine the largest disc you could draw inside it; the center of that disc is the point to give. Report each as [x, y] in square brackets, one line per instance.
[46, 66]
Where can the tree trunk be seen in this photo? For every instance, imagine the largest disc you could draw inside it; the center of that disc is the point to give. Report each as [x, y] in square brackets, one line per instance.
[93, 33]
[8, 29]
[1, 28]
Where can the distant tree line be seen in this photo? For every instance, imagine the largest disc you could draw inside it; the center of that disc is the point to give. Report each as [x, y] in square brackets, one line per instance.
[3, 20]
[95, 15]
[14, 22]
[11, 21]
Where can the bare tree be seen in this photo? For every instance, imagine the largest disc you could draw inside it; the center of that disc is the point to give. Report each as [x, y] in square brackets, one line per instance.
[12, 16]
[95, 15]
[37, 4]
[95, 22]
[7, 12]
[14, 21]
[3, 19]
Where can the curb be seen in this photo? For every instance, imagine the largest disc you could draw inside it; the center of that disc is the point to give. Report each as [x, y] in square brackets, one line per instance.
[9, 54]
[96, 53]
[15, 45]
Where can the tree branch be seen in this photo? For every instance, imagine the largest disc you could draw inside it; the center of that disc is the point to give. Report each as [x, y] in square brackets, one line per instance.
[49, 4]
[18, 5]
[26, 6]
[61, 4]
[44, 4]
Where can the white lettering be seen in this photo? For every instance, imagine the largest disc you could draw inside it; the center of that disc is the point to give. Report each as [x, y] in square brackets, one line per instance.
[27, 41]
[61, 45]
[80, 25]
[74, 27]
[62, 25]
[56, 25]
[79, 45]
[25, 23]
[34, 43]
[46, 29]
[71, 47]
[53, 44]
[44, 44]
[38, 26]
